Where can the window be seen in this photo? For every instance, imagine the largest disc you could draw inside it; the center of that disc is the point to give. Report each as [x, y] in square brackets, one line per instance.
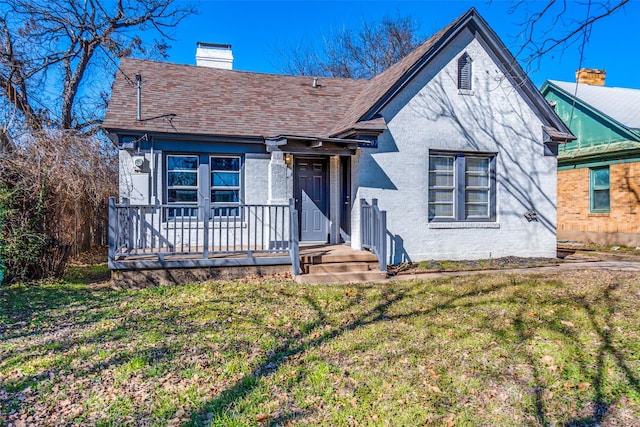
[182, 183]
[464, 73]
[461, 187]
[600, 196]
[225, 185]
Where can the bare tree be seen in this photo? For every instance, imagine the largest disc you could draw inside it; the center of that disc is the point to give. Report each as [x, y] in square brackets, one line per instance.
[57, 57]
[555, 25]
[355, 54]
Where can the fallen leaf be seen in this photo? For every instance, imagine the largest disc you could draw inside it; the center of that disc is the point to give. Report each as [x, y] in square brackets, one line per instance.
[262, 418]
[584, 386]
[434, 388]
[433, 373]
[567, 323]
[547, 360]
[450, 421]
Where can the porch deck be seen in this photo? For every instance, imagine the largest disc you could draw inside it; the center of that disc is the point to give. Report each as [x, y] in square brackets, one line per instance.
[160, 237]
[141, 259]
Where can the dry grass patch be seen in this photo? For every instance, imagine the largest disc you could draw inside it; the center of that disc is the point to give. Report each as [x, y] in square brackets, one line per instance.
[477, 350]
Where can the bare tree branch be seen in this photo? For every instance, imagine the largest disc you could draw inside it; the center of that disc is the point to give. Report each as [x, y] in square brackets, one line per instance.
[355, 54]
[48, 47]
[551, 27]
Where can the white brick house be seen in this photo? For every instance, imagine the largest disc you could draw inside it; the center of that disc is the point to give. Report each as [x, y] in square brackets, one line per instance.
[454, 142]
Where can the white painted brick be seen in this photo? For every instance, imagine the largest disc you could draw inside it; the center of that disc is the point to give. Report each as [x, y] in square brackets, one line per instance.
[430, 114]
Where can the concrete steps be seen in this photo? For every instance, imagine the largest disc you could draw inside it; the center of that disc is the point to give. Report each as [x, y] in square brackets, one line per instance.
[355, 266]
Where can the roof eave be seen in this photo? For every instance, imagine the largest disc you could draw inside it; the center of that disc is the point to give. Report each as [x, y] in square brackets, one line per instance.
[515, 73]
[412, 72]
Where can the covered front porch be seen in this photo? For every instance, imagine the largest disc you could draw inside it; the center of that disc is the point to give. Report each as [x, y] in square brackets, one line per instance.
[171, 236]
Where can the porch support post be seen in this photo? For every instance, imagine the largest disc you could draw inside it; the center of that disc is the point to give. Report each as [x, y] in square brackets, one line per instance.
[204, 205]
[206, 211]
[112, 229]
[294, 248]
[335, 199]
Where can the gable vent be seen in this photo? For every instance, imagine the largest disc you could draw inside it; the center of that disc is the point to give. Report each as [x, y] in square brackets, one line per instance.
[464, 72]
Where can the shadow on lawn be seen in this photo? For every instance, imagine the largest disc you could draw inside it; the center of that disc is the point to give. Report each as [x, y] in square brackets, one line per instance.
[24, 308]
[357, 310]
[314, 335]
[217, 408]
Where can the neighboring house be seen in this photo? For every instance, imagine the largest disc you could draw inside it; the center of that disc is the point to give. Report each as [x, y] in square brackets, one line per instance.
[599, 172]
[454, 141]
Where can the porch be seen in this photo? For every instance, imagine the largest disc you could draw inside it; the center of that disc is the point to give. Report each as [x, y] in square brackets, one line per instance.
[173, 236]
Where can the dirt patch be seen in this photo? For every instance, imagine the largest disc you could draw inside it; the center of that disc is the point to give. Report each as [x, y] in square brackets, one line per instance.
[97, 255]
[508, 262]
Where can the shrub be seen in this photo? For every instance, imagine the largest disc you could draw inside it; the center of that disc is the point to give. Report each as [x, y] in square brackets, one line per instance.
[51, 187]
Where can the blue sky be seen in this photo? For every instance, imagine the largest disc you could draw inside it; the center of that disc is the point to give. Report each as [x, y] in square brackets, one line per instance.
[256, 29]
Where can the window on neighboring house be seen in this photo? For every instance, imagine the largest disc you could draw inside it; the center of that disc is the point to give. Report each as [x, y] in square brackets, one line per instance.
[226, 184]
[182, 184]
[600, 196]
[464, 73]
[461, 187]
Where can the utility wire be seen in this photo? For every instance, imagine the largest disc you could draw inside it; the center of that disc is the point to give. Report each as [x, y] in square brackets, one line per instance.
[585, 38]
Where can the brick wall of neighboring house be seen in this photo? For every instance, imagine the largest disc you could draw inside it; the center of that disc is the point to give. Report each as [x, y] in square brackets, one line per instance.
[621, 226]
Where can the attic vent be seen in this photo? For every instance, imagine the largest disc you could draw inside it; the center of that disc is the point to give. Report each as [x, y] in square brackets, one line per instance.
[464, 72]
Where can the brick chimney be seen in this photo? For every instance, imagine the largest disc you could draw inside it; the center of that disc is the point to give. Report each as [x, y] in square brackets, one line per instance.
[214, 55]
[591, 76]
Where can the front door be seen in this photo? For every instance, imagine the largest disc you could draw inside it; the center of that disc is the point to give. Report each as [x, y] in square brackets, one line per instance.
[345, 211]
[312, 202]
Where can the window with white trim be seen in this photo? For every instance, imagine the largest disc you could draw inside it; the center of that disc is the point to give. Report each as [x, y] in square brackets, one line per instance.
[464, 73]
[226, 185]
[461, 187]
[182, 184]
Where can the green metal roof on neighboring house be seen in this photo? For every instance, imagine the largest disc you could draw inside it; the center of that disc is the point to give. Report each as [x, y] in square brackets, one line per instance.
[620, 103]
[601, 127]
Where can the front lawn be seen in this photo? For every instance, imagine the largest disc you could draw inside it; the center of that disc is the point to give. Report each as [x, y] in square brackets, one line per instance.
[536, 349]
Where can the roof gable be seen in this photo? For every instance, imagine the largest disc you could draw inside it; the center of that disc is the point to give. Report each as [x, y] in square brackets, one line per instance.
[386, 85]
[591, 126]
[620, 104]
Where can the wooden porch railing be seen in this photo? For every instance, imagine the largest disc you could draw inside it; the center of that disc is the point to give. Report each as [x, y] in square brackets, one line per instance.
[373, 230]
[205, 235]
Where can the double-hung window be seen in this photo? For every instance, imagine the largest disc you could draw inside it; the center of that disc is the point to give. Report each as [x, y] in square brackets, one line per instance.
[182, 184]
[461, 187]
[599, 190]
[226, 182]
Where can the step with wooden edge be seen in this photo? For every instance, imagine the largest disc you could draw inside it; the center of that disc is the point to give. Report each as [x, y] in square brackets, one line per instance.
[341, 267]
[315, 259]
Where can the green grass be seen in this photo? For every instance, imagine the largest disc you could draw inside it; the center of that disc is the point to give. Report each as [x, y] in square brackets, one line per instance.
[500, 350]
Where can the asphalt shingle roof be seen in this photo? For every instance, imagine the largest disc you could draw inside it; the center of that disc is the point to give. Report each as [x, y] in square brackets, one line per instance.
[621, 104]
[192, 100]
[210, 101]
